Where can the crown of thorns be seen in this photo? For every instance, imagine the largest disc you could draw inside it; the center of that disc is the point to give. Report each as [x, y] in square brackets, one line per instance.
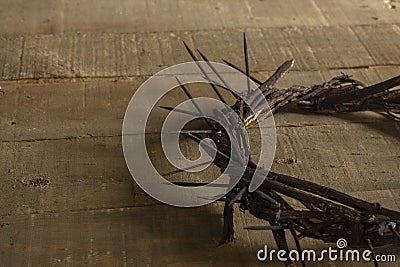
[327, 214]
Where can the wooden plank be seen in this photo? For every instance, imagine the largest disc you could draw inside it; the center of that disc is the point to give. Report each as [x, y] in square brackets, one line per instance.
[84, 118]
[67, 197]
[385, 47]
[152, 236]
[187, 15]
[83, 55]
[57, 175]
[80, 55]
[91, 172]
[115, 237]
[334, 156]
[357, 12]
[64, 109]
[11, 56]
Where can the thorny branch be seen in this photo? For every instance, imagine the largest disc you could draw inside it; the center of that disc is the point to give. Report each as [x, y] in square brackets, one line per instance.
[327, 214]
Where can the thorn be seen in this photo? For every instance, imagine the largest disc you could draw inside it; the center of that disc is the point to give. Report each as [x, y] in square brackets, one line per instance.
[187, 184]
[371, 248]
[190, 51]
[238, 69]
[195, 104]
[215, 198]
[188, 168]
[195, 59]
[180, 111]
[267, 197]
[246, 61]
[213, 68]
[195, 132]
[222, 86]
[271, 227]
[193, 184]
[296, 240]
[225, 84]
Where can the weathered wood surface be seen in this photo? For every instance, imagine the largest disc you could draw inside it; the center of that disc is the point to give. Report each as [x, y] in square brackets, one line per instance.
[67, 197]
[131, 54]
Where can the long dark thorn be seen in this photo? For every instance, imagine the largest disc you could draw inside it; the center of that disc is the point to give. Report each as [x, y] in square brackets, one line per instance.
[190, 51]
[216, 73]
[222, 86]
[296, 240]
[195, 104]
[246, 61]
[371, 248]
[180, 110]
[238, 69]
[213, 68]
[271, 227]
[195, 131]
[222, 199]
[191, 132]
[267, 197]
[188, 168]
[203, 71]
[198, 184]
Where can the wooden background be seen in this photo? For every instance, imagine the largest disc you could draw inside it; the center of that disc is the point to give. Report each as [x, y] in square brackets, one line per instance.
[68, 70]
